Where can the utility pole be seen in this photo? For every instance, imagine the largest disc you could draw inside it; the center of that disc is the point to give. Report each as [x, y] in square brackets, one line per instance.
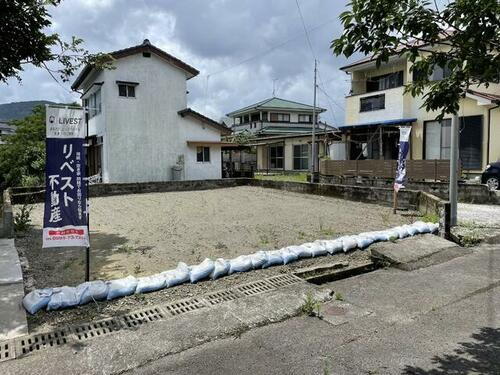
[313, 145]
[274, 87]
[454, 155]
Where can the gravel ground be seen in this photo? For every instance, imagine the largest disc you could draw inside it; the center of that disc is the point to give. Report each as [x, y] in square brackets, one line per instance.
[477, 223]
[479, 214]
[149, 233]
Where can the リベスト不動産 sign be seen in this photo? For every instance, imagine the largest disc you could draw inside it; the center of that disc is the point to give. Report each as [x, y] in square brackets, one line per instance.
[65, 215]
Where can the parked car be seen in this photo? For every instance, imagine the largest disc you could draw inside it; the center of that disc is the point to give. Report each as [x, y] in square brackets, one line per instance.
[491, 176]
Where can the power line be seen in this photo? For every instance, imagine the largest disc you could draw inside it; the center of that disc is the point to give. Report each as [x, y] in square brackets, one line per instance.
[271, 49]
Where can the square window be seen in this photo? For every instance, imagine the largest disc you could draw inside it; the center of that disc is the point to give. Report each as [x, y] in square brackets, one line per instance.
[203, 154]
[131, 91]
[122, 90]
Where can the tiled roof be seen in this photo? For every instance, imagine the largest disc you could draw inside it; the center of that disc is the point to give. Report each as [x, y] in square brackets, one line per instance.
[277, 103]
[190, 112]
[493, 97]
[146, 46]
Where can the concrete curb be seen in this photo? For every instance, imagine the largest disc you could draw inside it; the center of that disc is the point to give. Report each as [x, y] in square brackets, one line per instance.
[12, 315]
[165, 335]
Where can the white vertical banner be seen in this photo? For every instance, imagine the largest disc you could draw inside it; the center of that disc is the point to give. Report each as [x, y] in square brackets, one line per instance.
[65, 215]
[404, 146]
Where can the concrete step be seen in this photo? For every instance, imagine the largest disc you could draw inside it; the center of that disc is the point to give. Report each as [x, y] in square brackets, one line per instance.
[416, 252]
[12, 315]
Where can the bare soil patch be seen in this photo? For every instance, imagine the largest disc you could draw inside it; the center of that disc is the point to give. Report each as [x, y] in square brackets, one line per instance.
[149, 233]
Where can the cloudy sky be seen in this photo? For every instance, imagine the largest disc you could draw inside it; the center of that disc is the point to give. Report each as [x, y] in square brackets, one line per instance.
[240, 48]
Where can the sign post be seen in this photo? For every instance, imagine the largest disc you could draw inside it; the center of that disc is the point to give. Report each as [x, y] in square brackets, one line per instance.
[404, 146]
[65, 220]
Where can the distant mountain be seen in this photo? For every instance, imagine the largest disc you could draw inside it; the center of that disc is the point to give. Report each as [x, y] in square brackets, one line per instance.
[19, 110]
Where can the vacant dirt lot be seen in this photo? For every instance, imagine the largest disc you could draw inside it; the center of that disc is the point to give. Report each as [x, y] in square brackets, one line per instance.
[149, 233]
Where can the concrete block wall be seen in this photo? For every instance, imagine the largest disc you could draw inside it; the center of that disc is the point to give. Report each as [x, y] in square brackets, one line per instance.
[407, 199]
[7, 216]
[467, 193]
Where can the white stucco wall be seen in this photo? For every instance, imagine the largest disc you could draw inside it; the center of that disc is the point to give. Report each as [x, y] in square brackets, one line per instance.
[194, 130]
[144, 136]
[394, 107]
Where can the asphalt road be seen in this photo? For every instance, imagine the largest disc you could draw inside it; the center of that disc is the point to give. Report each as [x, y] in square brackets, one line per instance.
[442, 319]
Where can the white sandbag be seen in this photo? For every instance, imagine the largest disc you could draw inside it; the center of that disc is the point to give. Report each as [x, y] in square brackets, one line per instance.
[258, 259]
[402, 232]
[388, 235]
[331, 246]
[316, 249]
[288, 256]
[177, 276]
[37, 299]
[421, 227]
[362, 241]
[300, 251]
[92, 291]
[370, 235]
[348, 243]
[411, 230]
[202, 270]
[434, 227]
[221, 268]
[65, 296]
[274, 258]
[243, 263]
[150, 283]
[378, 235]
[121, 287]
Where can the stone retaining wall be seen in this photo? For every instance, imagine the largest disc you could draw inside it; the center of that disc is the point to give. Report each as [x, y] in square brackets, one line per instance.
[7, 216]
[407, 198]
[467, 193]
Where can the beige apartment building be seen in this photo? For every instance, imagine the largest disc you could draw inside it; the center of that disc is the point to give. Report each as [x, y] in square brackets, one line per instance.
[377, 105]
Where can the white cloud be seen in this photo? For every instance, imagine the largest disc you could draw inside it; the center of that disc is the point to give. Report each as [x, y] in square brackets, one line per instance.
[214, 37]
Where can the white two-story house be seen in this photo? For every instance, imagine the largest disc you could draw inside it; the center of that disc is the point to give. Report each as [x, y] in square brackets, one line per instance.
[139, 124]
[377, 105]
[283, 130]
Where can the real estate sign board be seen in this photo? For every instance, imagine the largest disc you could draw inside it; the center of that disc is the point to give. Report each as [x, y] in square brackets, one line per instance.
[65, 215]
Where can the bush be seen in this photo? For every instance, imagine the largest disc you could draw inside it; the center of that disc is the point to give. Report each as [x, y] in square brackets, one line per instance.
[22, 218]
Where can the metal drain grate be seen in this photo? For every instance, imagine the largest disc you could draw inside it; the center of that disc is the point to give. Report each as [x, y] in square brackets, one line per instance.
[255, 287]
[6, 351]
[221, 296]
[182, 307]
[96, 329]
[26, 345]
[283, 280]
[141, 317]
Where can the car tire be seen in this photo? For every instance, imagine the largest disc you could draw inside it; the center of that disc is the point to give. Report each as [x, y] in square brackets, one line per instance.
[493, 183]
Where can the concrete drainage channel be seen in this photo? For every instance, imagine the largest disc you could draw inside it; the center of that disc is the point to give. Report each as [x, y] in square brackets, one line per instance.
[334, 271]
[30, 344]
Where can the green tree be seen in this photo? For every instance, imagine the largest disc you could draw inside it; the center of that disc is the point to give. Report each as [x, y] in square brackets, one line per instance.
[22, 157]
[24, 40]
[462, 36]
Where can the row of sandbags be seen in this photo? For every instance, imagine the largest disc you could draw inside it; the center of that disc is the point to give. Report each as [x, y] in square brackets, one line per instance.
[58, 298]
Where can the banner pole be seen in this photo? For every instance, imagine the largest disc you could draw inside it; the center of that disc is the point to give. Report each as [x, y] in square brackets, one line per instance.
[87, 170]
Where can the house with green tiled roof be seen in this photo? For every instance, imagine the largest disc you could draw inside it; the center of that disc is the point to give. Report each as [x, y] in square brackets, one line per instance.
[275, 116]
[283, 130]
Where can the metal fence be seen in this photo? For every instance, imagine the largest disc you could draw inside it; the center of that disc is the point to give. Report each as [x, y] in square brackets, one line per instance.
[437, 170]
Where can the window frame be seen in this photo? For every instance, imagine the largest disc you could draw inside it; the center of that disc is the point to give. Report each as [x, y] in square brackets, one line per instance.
[204, 153]
[129, 87]
[300, 156]
[385, 81]
[365, 109]
[280, 159]
[275, 117]
[309, 117]
[447, 122]
[92, 104]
